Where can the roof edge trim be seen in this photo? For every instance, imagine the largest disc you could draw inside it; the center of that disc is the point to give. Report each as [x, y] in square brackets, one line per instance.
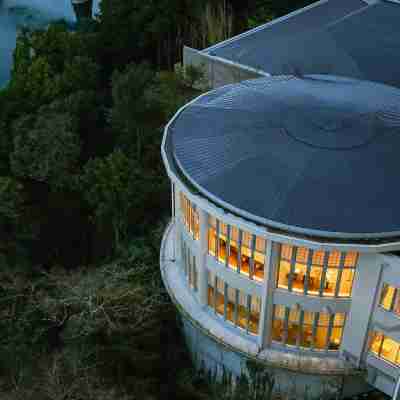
[266, 25]
[254, 218]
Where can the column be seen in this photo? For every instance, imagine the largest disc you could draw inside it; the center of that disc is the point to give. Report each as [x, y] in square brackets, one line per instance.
[364, 297]
[177, 224]
[202, 257]
[270, 273]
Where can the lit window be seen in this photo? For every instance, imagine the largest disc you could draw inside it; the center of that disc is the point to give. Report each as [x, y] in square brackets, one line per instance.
[385, 347]
[237, 249]
[189, 265]
[190, 216]
[390, 298]
[307, 329]
[316, 272]
[241, 309]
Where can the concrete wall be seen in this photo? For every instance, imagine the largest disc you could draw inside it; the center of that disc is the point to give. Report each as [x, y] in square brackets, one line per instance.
[214, 358]
[217, 72]
[382, 374]
[363, 303]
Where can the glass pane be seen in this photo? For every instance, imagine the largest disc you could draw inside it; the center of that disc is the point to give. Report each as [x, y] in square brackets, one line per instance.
[339, 319]
[323, 319]
[334, 259]
[195, 276]
[320, 337]
[212, 241]
[246, 255]
[259, 259]
[246, 240]
[242, 310]
[219, 306]
[223, 230]
[277, 330]
[279, 311]
[318, 257]
[210, 278]
[234, 234]
[233, 255]
[255, 311]
[376, 343]
[294, 315]
[389, 349]
[387, 296]
[396, 307]
[331, 281]
[308, 318]
[222, 244]
[299, 276]
[286, 252]
[260, 244]
[351, 259]
[293, 333]
[346, 282]
[293, 326]
[196, 226]
[212, 221]
[302, 255]
[306, 338]
[314, 281]
[284, 271]
[230, 309]
[335, 339]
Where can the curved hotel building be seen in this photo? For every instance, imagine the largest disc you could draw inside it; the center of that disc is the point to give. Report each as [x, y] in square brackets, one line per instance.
[286, 223]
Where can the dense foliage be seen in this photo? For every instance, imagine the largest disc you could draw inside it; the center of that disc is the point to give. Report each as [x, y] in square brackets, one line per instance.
[84, 199]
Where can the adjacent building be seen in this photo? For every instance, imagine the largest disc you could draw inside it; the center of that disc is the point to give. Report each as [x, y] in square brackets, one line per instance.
[282, 246]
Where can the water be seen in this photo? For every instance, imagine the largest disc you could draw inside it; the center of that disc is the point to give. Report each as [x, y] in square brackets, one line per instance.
[15, 14]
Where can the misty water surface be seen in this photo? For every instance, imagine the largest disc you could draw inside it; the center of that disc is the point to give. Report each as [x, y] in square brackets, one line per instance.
[15, 14]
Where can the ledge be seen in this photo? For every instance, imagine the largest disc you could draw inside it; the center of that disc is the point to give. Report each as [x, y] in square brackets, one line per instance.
[234, 341]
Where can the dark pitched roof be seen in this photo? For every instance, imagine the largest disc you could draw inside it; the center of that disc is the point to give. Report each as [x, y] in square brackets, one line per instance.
[316, 155]
[339, 37]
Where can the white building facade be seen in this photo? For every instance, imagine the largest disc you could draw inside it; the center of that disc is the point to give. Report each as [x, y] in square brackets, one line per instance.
[322, 314]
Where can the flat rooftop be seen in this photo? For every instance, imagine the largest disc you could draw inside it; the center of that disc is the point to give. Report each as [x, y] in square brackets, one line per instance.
[354, 38]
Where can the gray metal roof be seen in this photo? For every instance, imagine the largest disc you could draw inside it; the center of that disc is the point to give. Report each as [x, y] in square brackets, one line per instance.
[316, 155]
[338, 37]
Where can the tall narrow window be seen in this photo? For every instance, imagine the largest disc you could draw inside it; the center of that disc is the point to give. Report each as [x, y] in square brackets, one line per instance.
[189, 266]
[337, 331]
[278, 323]
[388, 295]
[255, 311]
[190, 216]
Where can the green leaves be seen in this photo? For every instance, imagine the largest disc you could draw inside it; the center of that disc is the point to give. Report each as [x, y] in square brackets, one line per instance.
[46, 149]
[10, 198]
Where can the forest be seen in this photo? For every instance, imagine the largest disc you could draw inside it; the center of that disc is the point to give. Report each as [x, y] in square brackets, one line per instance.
[84, 200]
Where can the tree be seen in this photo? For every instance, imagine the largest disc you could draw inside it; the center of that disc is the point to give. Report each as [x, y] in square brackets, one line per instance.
[46, 148]
[134, 108]
[117, 190]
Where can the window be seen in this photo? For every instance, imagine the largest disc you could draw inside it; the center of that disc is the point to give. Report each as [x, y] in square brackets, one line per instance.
[316, 272]
[237, 249]
[189, 265]
[307, 329]
[233, 305]
[190, 216]
[390, 299]
[385, 347]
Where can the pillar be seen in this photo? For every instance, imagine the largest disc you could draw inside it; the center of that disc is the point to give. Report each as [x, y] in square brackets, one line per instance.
[202, 257]
[271, 263]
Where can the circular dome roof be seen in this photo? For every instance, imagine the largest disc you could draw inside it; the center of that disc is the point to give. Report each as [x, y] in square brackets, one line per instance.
[315, 155]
